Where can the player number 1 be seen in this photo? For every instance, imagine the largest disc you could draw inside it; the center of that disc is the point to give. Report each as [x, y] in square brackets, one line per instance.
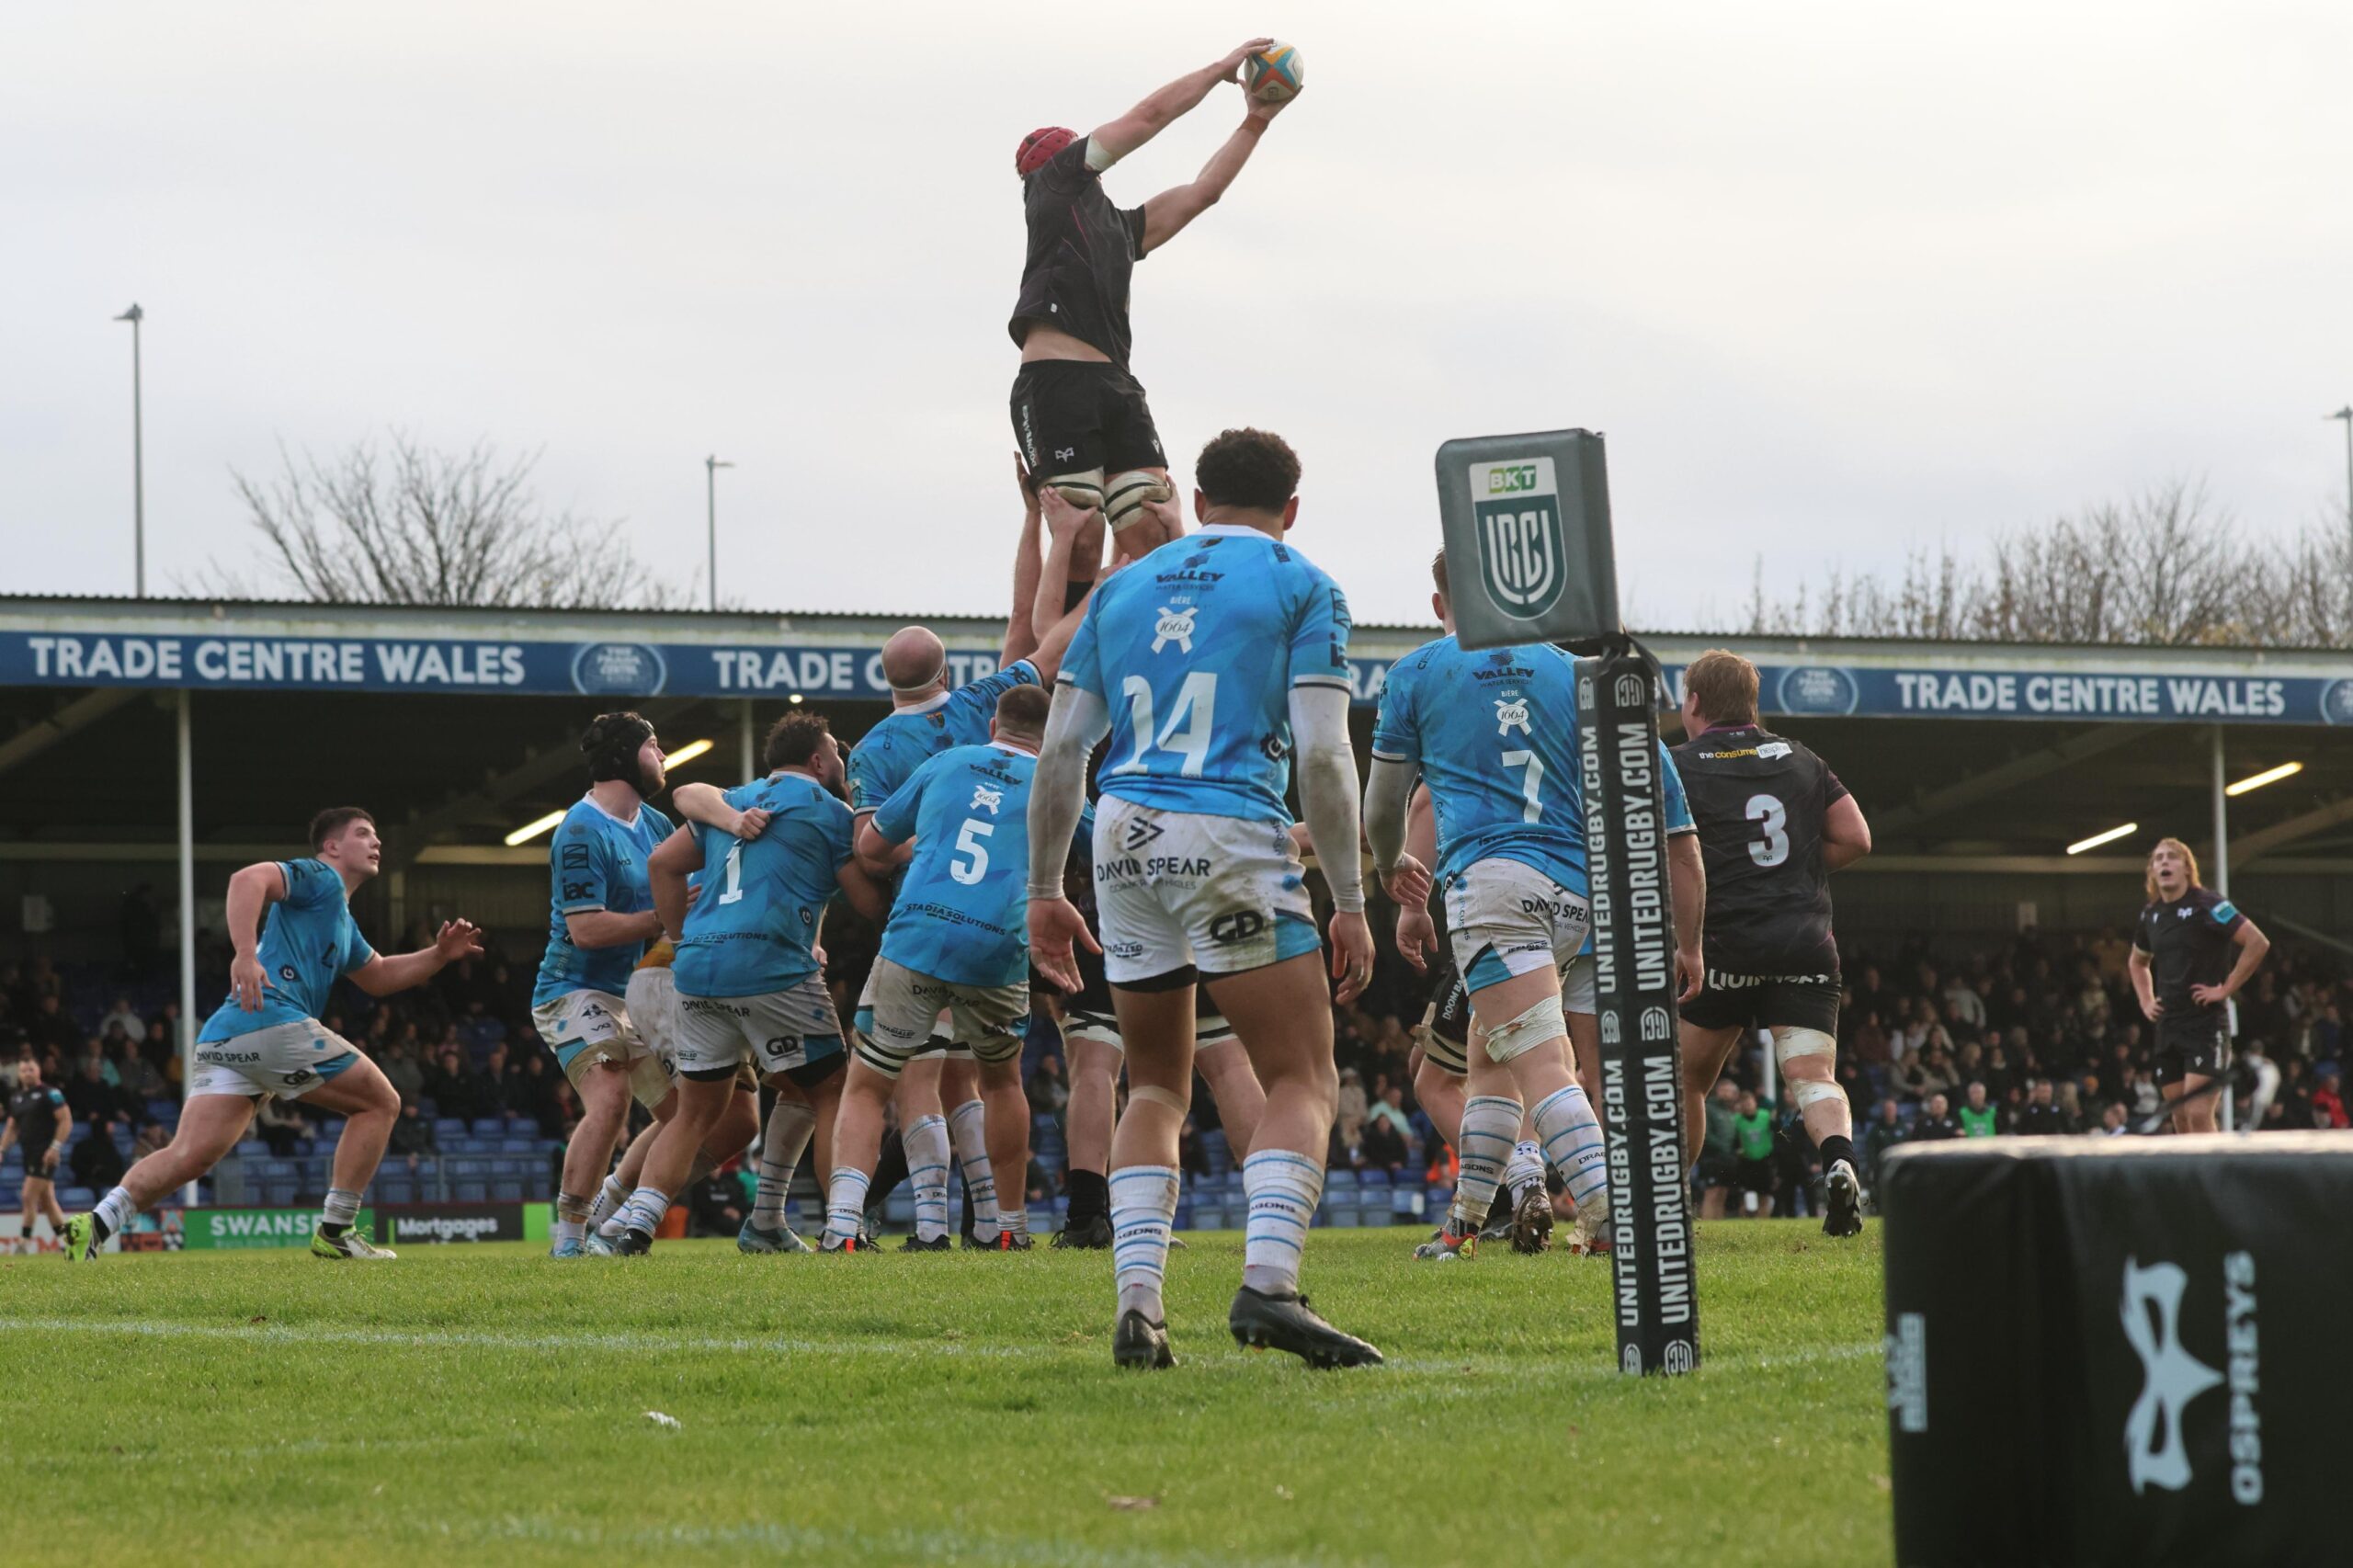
[734, 872]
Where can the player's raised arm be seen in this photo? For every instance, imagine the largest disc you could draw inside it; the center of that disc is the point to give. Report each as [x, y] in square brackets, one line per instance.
[1077, 723]
[1022, 627]
[667, 869]
[381, 974]
[1109, 142]
[706, 803]
[251, 891]
[1166, 215]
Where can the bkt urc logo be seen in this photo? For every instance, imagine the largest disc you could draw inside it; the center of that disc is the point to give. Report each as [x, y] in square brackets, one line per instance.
[1515, 512]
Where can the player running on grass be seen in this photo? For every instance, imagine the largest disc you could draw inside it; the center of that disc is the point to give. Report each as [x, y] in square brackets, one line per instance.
[267, 1038]
[957, 945]
[1774, 823]
[1078, 413]
[1495, 734]
[1209, 662]
[750, 989]
[39, 1123]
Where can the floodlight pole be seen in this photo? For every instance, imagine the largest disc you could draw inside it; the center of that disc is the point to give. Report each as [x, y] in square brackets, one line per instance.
[710, 467]
[138, 461]
[752, 768]
[2346, 413]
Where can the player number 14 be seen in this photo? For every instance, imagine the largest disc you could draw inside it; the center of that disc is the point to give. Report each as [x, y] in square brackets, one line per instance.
[1195, 710]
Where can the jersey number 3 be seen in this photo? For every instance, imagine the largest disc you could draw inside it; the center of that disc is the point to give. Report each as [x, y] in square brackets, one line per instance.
[1770, 813]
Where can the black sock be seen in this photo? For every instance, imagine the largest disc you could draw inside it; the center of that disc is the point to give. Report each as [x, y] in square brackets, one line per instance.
[890, 1170]
[1835, 1149]
[100, 1229]
[1090, 1195]
[330, 1229]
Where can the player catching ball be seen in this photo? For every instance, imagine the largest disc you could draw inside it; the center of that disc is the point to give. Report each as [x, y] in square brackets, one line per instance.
[1078, 413]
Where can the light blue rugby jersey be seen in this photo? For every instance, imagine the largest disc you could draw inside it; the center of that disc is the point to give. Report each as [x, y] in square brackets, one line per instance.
[750, 932]
[596, 861]
[1495, 734]
[888, 755]
[307, 939]
[1195, 649]
[963, 908]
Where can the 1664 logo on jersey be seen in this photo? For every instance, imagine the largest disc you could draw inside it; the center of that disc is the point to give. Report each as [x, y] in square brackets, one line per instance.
[1522, 551]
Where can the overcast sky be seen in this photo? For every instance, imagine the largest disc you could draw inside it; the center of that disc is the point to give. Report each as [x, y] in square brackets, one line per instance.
[1837, 279]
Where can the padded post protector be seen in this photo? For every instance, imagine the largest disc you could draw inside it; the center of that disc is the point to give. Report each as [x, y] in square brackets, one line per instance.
[2121, 1350]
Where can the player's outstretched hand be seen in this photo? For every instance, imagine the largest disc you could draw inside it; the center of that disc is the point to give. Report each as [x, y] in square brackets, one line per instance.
[1062, 517]
[1055, 927]
[1263, 112]
[246, 980]
[458, 939]
[1230, 68]
[750, 823]
[1690, 974]
[1351, 955]
[1407, 884]
[1417, 935]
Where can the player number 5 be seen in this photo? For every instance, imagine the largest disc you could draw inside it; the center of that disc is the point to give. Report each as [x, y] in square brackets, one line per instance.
[968, 841]
[1774, 817]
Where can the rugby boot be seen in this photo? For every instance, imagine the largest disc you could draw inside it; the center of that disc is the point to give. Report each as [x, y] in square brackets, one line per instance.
[351, 1244]
[1845, 1215]
[916, 1244]
[595, 1243]
[1531, 1218]
[1139, 1342]
[81, 1238]
[1092, 1235]
[632, 1244]
[1284, 1320]
[753, 1239]
[1447, 1245]
[1007, 1242]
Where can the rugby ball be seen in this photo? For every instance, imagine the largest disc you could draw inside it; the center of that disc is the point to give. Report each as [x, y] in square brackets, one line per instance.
[1274, 74]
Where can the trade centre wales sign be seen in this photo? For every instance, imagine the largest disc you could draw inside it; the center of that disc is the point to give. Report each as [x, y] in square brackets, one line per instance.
[2074, 685]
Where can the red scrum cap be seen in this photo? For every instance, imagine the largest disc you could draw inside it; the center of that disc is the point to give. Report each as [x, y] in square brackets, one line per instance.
[1039, 146]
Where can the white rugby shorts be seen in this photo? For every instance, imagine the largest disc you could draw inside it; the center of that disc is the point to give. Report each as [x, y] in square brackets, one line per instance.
[1506, 919]
[285, 1060]
[586, 1027]
[1224, 894]
[777, 1031]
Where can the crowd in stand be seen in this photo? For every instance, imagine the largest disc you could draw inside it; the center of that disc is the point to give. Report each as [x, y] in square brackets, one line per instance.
[2039, 1035]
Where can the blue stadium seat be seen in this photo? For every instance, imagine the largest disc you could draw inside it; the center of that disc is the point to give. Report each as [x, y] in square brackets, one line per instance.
[1339, 1176]
[1215, 1148]
[1376, 1176]
[389, 1189]
[490, 1127]
[282, 1194]
[75, 1197]
[12, 1197]
[164, 1111]
[513, 1146]
[506, 1190]
[1401, 1201]
[448, 1127]
[470, 1192]
[250, 1149]
[330, 1130]
[538, 1187]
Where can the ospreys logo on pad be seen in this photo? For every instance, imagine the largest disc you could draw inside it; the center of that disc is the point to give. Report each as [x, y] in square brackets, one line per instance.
[2155, 1454]
[1522, 551]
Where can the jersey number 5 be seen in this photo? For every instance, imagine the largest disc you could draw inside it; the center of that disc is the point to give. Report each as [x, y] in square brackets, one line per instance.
[968, 841]
[1767, 811]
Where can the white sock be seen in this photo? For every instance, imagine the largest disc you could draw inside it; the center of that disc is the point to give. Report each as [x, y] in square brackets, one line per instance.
[967, 1124]
[1526, 1168]
[609, 1198]
[789, 1126]
[846, 1204]
[568, 1230]
[1573, 1143]
[1490, 1125]
[571, 1218]
[1143, 1209]
[1282, 1188]
[116, 1211]
[644, 1210]
[1011, 1221]
[926, 1144]
[342, 1207]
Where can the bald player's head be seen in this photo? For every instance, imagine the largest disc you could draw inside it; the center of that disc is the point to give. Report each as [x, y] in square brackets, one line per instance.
[915, 661]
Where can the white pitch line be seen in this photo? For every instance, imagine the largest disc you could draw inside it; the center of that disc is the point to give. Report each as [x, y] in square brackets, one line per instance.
[611, 1340]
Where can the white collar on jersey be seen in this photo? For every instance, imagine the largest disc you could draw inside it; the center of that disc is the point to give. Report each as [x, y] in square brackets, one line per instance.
[925, 706]
[598, 806]
[1010, 746]
[1228, 530]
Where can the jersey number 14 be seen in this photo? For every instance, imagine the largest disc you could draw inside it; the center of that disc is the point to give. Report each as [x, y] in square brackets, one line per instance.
[1186, 732]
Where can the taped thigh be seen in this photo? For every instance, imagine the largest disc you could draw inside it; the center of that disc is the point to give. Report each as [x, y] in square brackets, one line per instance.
[1795, 1044]
[1125, 496]
[1083, 488]
[1525, 1033]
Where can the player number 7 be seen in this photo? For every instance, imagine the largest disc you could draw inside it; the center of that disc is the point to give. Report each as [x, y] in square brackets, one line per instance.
[1530, 782]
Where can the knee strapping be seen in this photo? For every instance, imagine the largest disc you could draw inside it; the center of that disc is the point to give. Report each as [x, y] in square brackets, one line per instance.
[1127, 494]
[1153, 1093]
[1806, 1093]
[1790, 1044]
[1531, 1028]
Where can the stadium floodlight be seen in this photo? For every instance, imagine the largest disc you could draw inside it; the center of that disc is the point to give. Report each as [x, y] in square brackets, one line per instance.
[530, 830]
[794, 700]
[2268, 776]
[2096, 839]
[686, 754]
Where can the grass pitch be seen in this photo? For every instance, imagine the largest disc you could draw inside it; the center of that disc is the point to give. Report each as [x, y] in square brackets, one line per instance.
[481, 1403]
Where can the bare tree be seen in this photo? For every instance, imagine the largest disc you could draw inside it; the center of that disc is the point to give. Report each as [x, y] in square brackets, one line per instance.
[2168, 567]
[417, 526]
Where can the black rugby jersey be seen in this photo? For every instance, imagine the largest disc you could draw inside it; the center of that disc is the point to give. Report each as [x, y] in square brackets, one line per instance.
[2189, 941]
[1760, 801]
[1082, 250]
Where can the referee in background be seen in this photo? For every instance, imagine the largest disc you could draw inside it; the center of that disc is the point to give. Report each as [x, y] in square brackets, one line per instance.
[2190, 954]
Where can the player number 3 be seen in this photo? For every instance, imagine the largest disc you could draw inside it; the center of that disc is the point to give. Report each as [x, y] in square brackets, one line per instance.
[1775, 819]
